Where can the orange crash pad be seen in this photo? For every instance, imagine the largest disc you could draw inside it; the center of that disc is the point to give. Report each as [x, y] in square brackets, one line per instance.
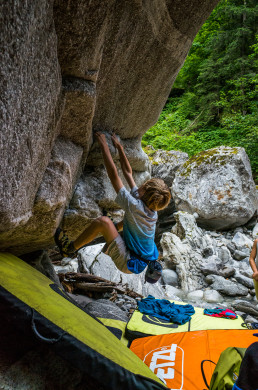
[176, 358]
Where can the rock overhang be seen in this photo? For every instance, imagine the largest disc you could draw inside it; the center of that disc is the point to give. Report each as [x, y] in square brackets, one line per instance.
[72, 68]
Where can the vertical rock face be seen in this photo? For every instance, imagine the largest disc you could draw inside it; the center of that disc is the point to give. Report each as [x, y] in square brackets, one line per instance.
[30, 104]
[68, 68]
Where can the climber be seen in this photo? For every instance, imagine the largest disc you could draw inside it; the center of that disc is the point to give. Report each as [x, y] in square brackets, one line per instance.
[137, 249]
[253, 260]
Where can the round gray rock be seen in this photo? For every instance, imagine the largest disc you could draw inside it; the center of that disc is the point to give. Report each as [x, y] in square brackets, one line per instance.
[170, 277]
[225, 286]
[195, 295]
[106, 309]
[212, 296]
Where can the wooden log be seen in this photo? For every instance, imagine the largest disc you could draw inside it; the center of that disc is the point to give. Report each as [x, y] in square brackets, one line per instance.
[88, 282]
[97, 287]
[86, 277]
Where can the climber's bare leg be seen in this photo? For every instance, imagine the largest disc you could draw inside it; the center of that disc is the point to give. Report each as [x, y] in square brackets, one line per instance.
[102, 225]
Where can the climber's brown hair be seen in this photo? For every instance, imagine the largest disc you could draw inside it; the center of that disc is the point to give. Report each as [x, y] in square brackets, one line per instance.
[155, 194]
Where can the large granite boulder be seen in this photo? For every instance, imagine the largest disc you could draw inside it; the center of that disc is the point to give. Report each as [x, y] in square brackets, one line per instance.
[165, 163]
[68, 68]
[217, 184]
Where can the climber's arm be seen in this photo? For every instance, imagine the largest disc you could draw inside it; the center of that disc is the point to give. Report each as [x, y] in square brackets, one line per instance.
[125, 165]
[109, 163]
[252, 260]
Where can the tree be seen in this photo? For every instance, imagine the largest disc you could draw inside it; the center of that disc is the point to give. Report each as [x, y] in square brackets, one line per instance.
[218, 104]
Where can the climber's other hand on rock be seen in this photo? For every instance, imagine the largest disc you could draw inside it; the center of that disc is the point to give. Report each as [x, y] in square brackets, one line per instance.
[115, 140]
[101, 138]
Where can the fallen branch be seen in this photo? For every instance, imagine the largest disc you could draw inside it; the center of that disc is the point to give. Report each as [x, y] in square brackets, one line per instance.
[83, 282]
[98, 287]
[86, 277]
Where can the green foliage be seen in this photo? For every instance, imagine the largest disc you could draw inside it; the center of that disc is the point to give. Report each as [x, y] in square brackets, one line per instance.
[219, 84]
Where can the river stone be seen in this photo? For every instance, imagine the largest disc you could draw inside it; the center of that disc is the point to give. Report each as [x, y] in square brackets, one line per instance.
[245, 269]
[242, 242]
[81, 300]
[226, 287]
[196, 295]
[239, 255]
[208, 251]
[174, 251]
[106, 309]
[180, 254]
[164, 164]
[173, 293]
[218, 185]
[248, 282]
[212, 296]
[170, 277]
[156, 290]
[246, 306]
[63, 269]
[72, 263]
[209, 266]
[239, 230]
[231, 247]
[42, 263]
[89, 252]
[227, 272]
[250, 319]
[224, 254]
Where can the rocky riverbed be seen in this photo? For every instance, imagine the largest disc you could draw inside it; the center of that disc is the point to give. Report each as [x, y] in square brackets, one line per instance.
[202, 267]
[205, 236]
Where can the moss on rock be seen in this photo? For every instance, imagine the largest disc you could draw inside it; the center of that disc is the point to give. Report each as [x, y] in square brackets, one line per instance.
[211, 156]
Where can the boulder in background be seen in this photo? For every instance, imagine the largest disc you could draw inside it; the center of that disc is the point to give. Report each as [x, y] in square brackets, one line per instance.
[217, 184]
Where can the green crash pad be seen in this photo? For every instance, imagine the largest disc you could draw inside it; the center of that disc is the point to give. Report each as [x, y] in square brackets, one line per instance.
[142, 325]
[37, 302]
[116, 327]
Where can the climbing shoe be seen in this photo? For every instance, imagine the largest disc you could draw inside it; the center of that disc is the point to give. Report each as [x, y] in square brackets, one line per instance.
[154, 272]
[65, 245]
